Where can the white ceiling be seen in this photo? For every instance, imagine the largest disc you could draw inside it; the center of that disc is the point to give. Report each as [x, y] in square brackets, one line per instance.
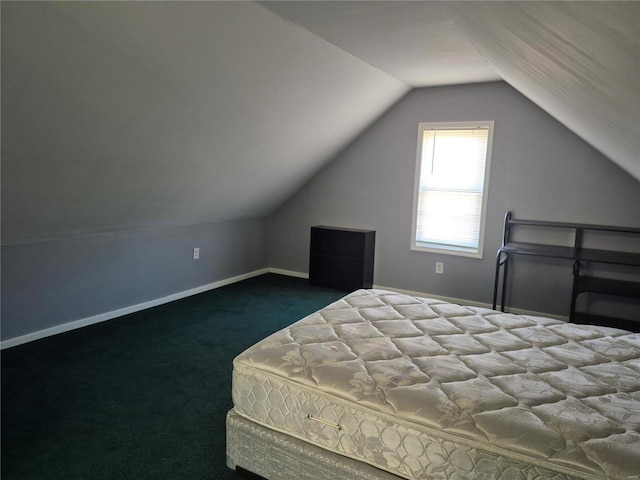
[416, 42]
[579, 61]
[132, 114]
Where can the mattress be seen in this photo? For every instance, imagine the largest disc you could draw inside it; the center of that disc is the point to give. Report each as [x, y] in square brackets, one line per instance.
[427, 389]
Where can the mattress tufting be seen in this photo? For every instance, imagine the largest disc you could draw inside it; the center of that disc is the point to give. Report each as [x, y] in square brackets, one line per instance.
[427, 389]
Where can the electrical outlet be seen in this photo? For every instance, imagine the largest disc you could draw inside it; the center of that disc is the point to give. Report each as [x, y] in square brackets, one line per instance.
[196, 253]
[439, 267]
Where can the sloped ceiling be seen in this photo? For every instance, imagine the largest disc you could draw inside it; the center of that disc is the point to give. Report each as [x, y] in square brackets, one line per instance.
[416, 42]
[119, 115]
[579, 61]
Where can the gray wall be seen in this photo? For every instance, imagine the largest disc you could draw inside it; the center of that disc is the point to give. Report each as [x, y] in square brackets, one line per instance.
[52, 282]
[540, 170]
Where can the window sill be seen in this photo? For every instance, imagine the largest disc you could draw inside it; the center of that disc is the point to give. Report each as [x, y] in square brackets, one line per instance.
[457, 251]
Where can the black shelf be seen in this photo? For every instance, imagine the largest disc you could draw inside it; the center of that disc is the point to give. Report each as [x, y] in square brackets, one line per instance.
[341, 258]
[608, 286]
[540, 250]
[581, 257]
[572, 253]
[609, 256]
[590, 319]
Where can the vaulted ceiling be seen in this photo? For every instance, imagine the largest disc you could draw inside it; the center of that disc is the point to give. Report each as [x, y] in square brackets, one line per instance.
[120, 115]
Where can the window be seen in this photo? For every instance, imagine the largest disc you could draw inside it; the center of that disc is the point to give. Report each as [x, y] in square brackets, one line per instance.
[452, 177]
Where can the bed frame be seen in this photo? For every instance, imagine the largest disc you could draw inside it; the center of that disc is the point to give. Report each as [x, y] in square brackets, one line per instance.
[277, 456]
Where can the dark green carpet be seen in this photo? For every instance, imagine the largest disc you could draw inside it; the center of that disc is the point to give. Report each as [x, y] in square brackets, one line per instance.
[142, 396]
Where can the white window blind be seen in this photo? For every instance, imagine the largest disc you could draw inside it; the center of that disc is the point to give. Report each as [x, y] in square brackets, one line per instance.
[452, 171]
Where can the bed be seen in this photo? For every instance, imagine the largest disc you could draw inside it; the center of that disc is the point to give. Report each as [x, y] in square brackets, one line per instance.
[383, 385]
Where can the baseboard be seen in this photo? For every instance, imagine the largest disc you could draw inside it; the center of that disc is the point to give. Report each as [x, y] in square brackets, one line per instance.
[458, 301]
[84, 322]
[462, 301]
[288, 273]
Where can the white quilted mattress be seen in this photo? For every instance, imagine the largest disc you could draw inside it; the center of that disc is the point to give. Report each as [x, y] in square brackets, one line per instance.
[427, 389]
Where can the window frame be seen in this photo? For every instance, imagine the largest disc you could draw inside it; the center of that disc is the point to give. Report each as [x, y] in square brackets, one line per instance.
[442, 248]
